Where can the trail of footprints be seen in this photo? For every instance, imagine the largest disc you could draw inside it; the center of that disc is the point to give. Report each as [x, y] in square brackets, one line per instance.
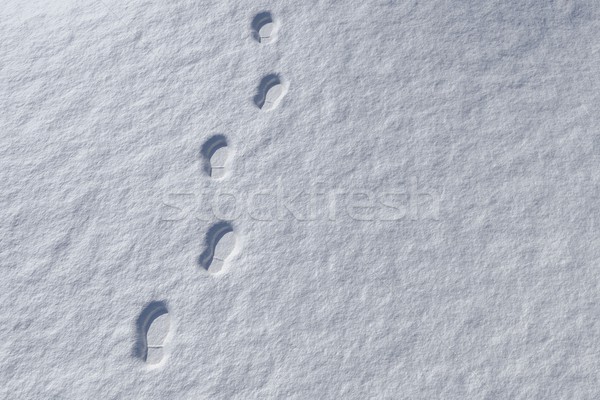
[153, 331]
[264, 29]
[153, 327]
[270, 92]
[215, 154]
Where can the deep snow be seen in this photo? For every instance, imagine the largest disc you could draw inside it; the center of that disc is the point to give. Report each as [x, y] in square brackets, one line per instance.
[482, 117]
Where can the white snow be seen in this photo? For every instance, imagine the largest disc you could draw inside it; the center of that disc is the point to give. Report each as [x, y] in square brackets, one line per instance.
[268, 33]
[156, 339]
[218, 162]
[265, 28]
[419, 214]
[273, 96]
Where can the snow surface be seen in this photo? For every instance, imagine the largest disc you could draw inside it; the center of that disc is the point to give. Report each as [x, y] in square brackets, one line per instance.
[487, 109]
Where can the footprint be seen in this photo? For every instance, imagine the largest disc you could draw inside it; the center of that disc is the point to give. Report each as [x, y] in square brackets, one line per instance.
[153, 326]
[220, 244]
[216, 155]
[264, 28]
[271, 91]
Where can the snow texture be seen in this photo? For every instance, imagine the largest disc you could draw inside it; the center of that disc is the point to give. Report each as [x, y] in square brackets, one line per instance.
[482, 117]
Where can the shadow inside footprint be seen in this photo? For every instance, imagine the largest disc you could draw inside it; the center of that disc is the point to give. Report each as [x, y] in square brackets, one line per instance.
[209, 148]
[266, 84]
[149, 314]
[262, 25]
[220, 242]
